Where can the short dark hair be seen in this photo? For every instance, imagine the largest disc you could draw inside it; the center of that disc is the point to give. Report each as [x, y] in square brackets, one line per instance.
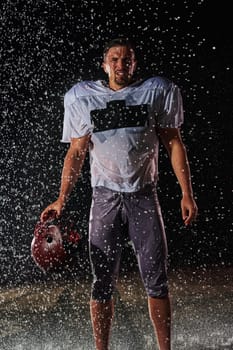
[121, 41]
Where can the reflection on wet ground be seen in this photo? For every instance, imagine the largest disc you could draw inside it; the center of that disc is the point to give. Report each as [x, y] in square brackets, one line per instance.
[54, 315]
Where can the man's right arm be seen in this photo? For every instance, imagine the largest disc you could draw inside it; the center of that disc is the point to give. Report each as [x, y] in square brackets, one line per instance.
[73, 163]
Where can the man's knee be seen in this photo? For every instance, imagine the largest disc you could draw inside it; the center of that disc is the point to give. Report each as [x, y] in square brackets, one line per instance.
[102, 289]
[160, 291]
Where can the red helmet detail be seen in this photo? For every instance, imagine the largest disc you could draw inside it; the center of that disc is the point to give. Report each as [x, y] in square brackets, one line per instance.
[50, 247]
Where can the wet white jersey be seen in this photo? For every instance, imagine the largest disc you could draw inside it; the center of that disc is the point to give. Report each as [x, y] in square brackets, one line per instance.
[124, 143]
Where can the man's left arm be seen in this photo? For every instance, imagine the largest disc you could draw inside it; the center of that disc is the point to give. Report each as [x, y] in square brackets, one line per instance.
[172, 140]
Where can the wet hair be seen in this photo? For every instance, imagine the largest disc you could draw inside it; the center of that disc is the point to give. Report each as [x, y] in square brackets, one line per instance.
[119, 42]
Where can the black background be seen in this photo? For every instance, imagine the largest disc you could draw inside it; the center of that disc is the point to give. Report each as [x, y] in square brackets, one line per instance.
[46, 47]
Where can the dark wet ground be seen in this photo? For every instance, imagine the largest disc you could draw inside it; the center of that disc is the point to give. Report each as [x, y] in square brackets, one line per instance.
[54, 315]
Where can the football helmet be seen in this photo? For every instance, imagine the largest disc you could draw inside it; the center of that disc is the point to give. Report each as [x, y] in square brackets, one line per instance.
[53, 244]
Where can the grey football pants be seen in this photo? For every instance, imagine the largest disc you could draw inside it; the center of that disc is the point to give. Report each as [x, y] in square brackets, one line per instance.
[112, 214]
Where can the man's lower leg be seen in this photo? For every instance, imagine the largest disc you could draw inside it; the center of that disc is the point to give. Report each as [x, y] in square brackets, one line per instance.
[160, 315]
[101, 316]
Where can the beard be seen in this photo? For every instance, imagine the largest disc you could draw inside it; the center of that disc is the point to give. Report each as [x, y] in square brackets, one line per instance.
[122, 80]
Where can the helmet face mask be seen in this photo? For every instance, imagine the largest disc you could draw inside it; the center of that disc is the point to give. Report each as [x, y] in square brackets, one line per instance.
[52, 245]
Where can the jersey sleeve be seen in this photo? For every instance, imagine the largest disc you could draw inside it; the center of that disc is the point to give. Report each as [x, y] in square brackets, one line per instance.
[75, 122]
[170, 113]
